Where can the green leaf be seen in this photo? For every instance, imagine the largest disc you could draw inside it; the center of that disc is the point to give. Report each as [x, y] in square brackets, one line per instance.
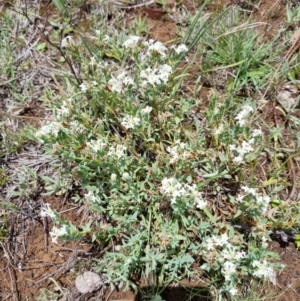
[297, 240]
[61, 7]
[54, 23]
[41, 46]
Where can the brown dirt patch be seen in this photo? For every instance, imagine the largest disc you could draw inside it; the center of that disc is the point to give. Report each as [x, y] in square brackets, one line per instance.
[288, 281]
[32, 258]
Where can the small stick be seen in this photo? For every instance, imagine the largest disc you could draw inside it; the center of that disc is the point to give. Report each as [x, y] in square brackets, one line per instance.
[45, 226]
[139, 5]
[294, 181]
[110, 294]
[286, 58]
[66, 266]
[13, 281]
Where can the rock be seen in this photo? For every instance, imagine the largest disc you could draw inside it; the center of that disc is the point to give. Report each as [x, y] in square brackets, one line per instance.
[88, 282]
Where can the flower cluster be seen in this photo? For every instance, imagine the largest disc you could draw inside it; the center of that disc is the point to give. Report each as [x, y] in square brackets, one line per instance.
[177, 151]
[146, 110]
[239, 152]
[119, 151]
[64, 109]
[52, 128]
[122, 80]
[216, 241]
[254, 199]
[96, 145]
[174, 189]
[47, 211]
[263, 270]
[156, 76]
[155, 47]
[224, 256]
[91, 197]
[131, 42]
[58, 232]
[243, 114]
[130, 122]
[180, 48]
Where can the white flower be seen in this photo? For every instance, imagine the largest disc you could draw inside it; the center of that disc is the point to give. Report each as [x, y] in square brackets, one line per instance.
[232, 253]
[106, 38]
[96, 145]
[125, 176]
[156, 76]
[264, 242]
[77, 127]
[256, 133]
[119, 151]
[241, 116]
[228, 270]
[246, 148]
[47, 211]
[180, 144]
[220, 130]
[116, 84]
[157, 47]
[263, 269]
[172, 188]
[241, 151]
[146, 110]
[222, 240]
[51, 128]
[63, 111]
[58, 232]
[240, 198]
[249, 190]
[90, 196]
[150, 77]
[233, 291]
[122, 79]
[195, 194]
[164, 71]
[174, 153]
[83, 87]
[68, 41]
[129, 122]
[209, 244]
[201, 203]
[131, 42]
[93, 61]
[180, 48]
[113, 177]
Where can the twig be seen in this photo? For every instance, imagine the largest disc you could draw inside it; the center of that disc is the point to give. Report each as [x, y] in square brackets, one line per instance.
[110, 294]
[24, 117]
[13, 281]
[65, 267]
[293, 178]
[12, 276]
[58, 47]
[286, 58]
[139, 5]
[45, 227]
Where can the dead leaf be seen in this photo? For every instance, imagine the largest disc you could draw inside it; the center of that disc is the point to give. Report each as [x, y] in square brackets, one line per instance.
[154, 14]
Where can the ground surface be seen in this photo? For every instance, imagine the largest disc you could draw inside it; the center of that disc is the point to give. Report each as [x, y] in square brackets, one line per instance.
[31, 262]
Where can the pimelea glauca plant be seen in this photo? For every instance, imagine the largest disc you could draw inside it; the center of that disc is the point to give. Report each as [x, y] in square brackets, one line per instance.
[167, 190]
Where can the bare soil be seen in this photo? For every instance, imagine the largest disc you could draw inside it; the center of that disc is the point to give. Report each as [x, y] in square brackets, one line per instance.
[30, 261]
